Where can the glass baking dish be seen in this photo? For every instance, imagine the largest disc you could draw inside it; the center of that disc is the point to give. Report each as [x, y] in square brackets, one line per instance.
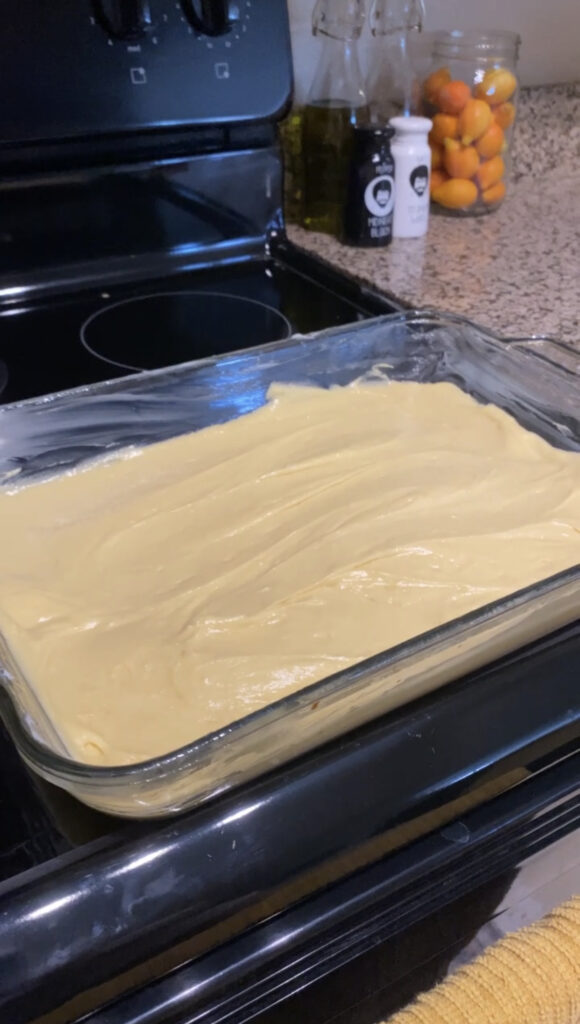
[536, 380]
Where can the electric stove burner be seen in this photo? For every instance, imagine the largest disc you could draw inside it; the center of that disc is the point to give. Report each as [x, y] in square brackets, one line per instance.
[167, 328]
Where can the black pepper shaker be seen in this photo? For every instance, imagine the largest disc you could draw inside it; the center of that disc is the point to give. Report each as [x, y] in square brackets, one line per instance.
[370, 198]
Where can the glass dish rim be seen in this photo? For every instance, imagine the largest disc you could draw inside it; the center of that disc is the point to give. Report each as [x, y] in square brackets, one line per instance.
[71, 770]
[416, 314]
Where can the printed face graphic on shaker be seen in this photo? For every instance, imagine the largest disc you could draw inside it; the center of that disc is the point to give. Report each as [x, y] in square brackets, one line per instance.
[379, 196]
[383, 193]
[420, 179]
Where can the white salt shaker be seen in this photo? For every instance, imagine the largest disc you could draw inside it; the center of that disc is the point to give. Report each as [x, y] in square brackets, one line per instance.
[412, 157]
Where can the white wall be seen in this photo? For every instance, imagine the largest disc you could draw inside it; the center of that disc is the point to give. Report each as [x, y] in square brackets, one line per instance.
[550, 31]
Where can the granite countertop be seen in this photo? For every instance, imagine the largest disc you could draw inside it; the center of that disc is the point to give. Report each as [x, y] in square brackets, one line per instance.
[516, 270]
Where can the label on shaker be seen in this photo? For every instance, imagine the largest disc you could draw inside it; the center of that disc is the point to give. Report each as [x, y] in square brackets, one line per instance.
[379, 199]
[412, 213]
[370, 199]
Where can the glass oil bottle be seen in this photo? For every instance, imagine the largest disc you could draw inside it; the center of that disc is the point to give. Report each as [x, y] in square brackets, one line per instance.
[394, 80]
[336, 103]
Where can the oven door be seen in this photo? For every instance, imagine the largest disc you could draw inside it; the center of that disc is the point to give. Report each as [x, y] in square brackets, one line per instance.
[361, 950]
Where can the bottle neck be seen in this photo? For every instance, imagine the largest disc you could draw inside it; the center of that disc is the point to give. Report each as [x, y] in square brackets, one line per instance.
[341, 19]
[338, 79]
[394, 16]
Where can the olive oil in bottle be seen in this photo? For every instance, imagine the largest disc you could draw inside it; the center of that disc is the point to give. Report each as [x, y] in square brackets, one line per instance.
[327, 137]
[291, 139]
[336, 103]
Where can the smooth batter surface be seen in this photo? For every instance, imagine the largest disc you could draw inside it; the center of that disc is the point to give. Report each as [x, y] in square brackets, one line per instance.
[153, 599]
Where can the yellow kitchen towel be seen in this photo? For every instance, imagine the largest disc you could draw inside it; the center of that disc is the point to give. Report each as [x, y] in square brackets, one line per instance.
[529, 977]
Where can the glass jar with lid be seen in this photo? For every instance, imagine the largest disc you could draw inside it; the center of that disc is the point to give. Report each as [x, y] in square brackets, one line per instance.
[471, 95]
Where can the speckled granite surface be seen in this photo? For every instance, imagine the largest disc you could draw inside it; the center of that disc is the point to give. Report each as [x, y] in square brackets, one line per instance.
[516, 270]
[548, 130]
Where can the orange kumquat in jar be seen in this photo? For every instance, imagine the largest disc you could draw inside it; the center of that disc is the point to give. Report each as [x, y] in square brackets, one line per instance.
[471, 97]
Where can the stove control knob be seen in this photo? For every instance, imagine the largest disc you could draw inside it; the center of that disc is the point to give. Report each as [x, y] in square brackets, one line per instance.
[125, 19]
[212, 17]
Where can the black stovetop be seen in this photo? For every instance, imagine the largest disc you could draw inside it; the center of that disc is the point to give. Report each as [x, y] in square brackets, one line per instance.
[108, 332]
[77, 870]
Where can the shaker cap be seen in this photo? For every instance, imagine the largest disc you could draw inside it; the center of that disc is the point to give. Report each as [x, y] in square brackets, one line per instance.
[411, 125]
[371, 139]
[378, 132]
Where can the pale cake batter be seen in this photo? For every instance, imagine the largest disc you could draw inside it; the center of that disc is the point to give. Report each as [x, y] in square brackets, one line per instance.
[156, 598]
